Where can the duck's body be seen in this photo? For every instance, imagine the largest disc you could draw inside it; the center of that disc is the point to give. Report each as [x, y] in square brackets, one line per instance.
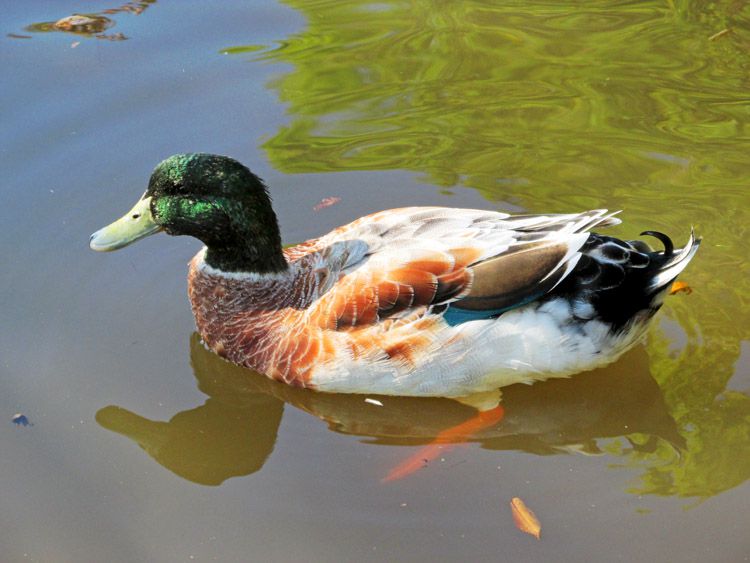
[377, 306]
[415, 301]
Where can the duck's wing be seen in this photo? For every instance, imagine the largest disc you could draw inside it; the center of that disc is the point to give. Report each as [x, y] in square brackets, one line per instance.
[398, 261]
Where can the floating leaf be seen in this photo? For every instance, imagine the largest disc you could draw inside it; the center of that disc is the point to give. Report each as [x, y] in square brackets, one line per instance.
[680, 287]
[76, 20]
[525, 519]
[326, 202]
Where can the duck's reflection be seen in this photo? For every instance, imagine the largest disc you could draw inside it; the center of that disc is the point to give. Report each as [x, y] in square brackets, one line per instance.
[234, 431]
[208, 444]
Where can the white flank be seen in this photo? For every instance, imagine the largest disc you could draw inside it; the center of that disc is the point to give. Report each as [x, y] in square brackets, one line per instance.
[528, 344]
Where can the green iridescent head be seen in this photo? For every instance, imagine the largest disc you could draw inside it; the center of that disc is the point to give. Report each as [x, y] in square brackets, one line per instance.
[212, 198]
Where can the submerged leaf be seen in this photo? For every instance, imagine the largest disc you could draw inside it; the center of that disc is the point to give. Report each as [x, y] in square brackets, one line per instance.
[525, 519]
[243, 49]
[720, 34]
[445, 441]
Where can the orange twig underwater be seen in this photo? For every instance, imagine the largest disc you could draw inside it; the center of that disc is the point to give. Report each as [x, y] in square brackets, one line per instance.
[444, 442]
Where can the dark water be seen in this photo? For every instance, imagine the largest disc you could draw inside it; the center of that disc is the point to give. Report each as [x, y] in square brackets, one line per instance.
[144, 447]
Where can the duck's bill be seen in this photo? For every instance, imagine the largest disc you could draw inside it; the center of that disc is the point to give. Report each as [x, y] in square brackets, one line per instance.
[134, 225]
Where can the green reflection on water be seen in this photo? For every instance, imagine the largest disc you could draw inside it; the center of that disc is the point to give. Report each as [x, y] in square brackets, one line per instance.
[557, 108]
[514, 99]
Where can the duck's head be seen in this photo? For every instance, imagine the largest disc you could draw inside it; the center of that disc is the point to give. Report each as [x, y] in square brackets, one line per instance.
[212, 198]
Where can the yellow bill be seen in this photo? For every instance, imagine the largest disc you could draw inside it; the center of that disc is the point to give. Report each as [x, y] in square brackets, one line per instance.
[134, 225]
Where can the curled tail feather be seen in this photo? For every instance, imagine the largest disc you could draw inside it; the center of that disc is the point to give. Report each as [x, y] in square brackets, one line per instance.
[670, 262]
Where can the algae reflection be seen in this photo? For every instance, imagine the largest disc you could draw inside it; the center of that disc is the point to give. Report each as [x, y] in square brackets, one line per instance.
[515, 98]
[233, 433]
[637, 106]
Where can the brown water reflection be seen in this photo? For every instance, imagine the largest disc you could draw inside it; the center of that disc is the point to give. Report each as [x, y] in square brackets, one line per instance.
[234, 431]
[92, 24]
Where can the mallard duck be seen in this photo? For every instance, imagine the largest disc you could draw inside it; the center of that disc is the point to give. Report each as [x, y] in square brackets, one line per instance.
[420, 301]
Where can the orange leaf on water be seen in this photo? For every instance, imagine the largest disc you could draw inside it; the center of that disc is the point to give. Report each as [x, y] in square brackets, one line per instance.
[680, 287]
[326, 202]
[525, 519]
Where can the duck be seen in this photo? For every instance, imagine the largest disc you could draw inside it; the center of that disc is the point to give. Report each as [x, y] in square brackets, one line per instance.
[415, 301]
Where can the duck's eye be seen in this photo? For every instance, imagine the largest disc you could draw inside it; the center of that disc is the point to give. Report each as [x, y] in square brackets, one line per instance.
[135, 215]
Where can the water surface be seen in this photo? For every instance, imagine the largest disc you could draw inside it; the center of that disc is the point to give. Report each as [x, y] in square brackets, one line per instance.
[146, 447]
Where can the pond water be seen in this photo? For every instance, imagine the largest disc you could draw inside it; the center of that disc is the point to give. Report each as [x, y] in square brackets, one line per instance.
[142, 446]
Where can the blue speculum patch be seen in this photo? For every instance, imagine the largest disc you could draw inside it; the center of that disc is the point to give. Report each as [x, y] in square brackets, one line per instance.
[454, 316]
